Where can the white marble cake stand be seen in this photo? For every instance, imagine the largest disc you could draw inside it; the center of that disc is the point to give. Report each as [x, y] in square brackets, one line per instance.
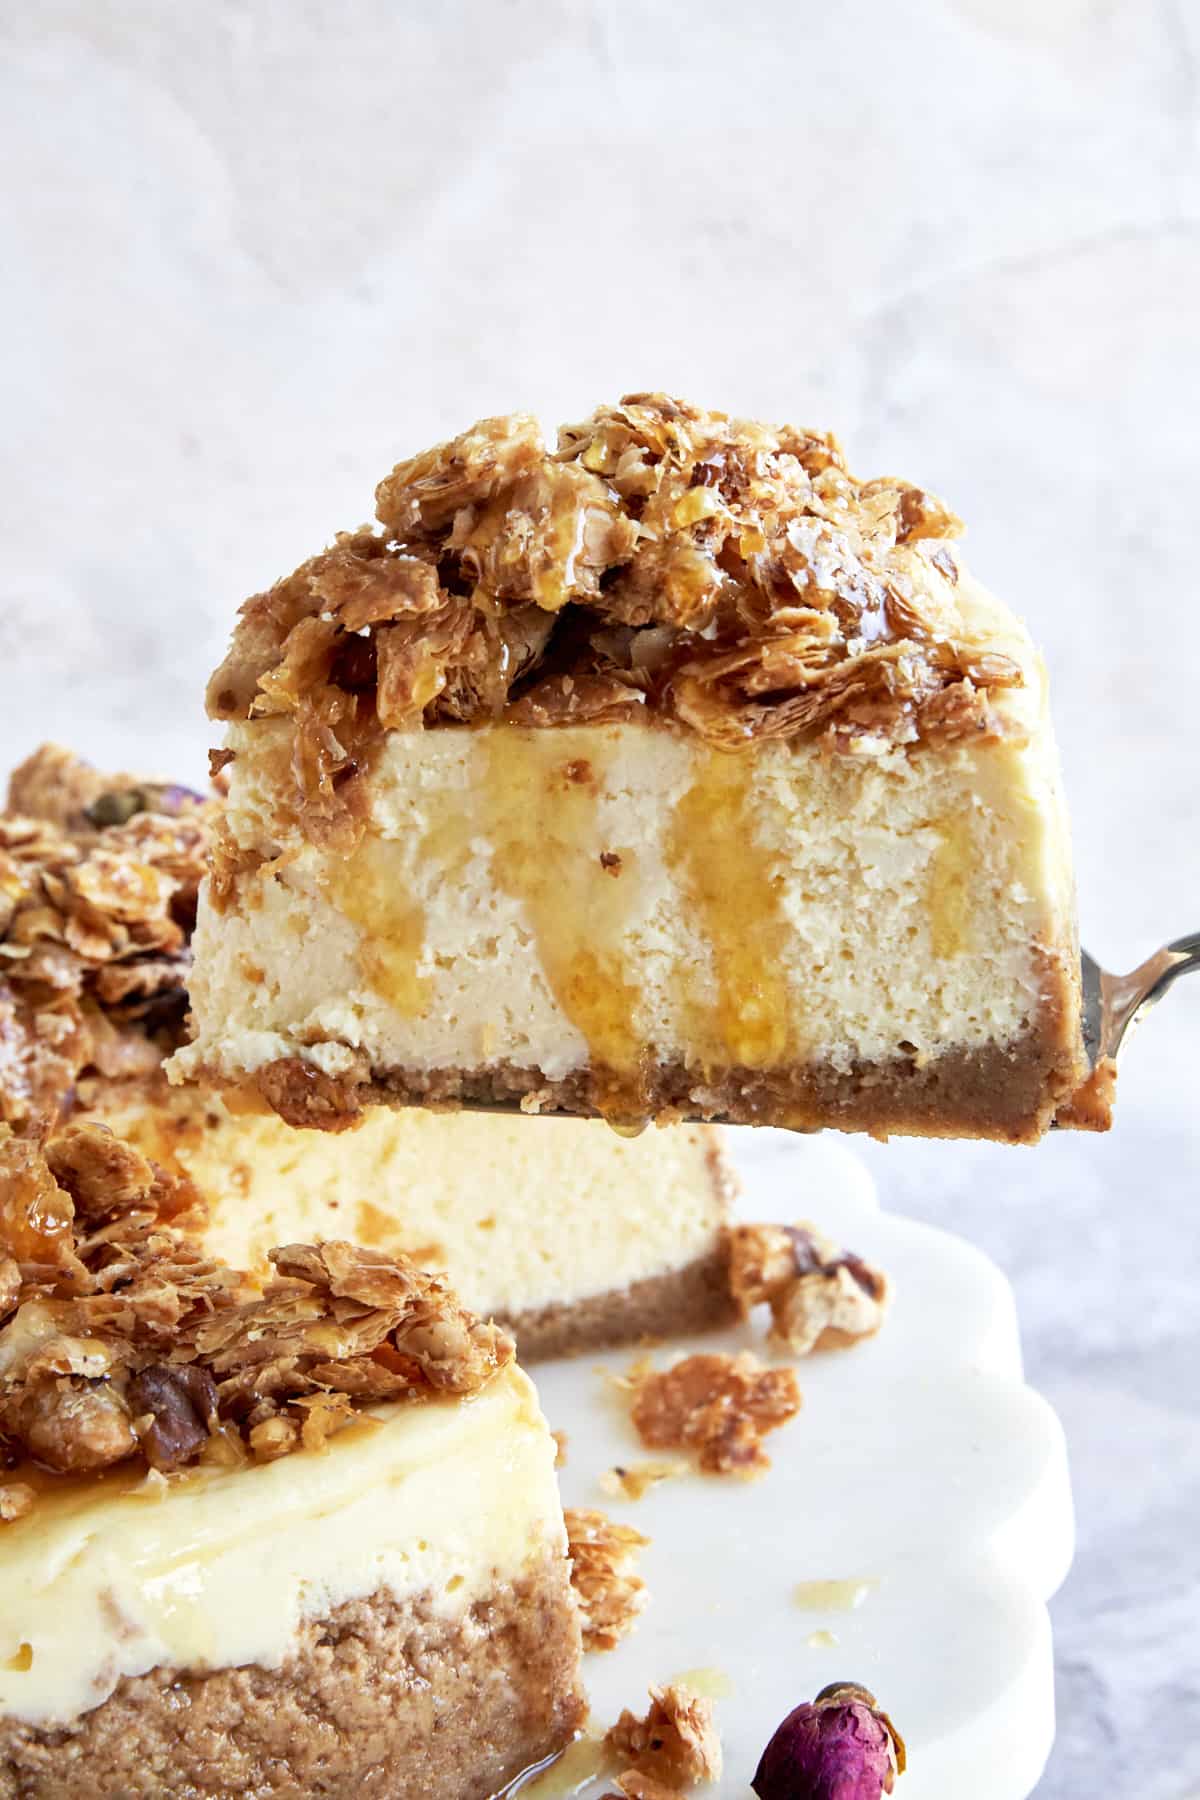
[920, 1463]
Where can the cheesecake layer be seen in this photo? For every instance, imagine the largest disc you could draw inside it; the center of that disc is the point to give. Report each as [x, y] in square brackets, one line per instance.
[624, 918]
[572, 1236]
[110, 1577]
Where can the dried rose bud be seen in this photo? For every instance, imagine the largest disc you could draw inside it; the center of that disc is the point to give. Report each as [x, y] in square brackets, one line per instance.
[839, 1746]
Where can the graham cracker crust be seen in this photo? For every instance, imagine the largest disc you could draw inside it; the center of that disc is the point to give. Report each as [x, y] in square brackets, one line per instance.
[382, 1698]
[692, 1299]
[1008, 1092]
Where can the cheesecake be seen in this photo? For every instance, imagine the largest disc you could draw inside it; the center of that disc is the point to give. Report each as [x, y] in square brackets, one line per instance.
[574, 1237]
[671, 773]
[299, 1534]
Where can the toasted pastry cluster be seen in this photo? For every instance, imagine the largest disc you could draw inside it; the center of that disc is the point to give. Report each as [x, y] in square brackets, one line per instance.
[820, 1297]
[120, 1339]
[730, 576]
[97, 900]
[608, 1594]
[676, 1745]
[719, 1406]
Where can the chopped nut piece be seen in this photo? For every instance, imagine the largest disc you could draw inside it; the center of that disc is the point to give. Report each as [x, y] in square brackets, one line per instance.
[181, 1406]
[71, 1425]
[676, 1743]
[609, 1594]
[820, 1297]
[16, 1499]
[274, 1437]
[721, 1406]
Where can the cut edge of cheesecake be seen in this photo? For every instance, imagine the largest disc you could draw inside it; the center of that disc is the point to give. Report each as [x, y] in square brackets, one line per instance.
[572, 1238]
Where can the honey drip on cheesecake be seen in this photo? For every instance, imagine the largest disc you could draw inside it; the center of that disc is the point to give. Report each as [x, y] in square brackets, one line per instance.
[730, 881]
[369, 887]
[950, 871]
[541, 808]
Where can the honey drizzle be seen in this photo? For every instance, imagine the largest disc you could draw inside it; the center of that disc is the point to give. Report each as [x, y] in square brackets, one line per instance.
[563, 1775]
[949, 892]
[732, 883]
[368, 886]
[541, 815]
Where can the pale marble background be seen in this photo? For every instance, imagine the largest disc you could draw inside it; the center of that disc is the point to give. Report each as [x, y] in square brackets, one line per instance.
[257, 250]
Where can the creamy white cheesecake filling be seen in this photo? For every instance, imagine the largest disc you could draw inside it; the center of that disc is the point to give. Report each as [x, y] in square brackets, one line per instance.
[101, 1580]
[558, 897]
[517, 1221]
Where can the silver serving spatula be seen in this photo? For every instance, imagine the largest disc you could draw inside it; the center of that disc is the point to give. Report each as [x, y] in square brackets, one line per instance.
[1113, 1004]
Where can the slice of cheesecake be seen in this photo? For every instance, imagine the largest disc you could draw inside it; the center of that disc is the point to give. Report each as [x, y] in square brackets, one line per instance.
[572, 1237]
[672, 773]
[283, 1537]
[575, 1237]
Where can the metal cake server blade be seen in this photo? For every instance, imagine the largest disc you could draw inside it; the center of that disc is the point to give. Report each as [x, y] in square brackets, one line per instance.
[1114, 1004]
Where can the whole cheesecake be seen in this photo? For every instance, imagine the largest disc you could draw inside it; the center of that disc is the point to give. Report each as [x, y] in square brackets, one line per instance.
[671, 773]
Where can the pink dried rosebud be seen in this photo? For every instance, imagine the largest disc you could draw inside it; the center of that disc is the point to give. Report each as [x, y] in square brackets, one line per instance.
[839, 1746]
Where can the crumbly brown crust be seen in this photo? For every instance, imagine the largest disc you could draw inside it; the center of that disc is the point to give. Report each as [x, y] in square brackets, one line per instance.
[731, 576]
[98, 885]
[121, 1339]
[692, 1299]
[1010, 1092]
[717, 1405]
[383, 1698]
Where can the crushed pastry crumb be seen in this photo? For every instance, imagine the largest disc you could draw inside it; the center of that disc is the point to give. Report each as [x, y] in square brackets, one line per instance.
[123, 1339]
[719, 1406]
[675, 1744]
[731, 576]
[609, 1595]
[98, 889]
[820, 1297]
[631, 1481]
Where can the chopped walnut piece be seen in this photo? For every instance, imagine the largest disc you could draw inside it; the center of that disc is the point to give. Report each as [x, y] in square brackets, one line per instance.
[730, 575]
[676, 1743]
[718, 1405]
[71, 1425]
[16, 1499]
[609, 1595]
[820, 1297]
[174, 1410]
